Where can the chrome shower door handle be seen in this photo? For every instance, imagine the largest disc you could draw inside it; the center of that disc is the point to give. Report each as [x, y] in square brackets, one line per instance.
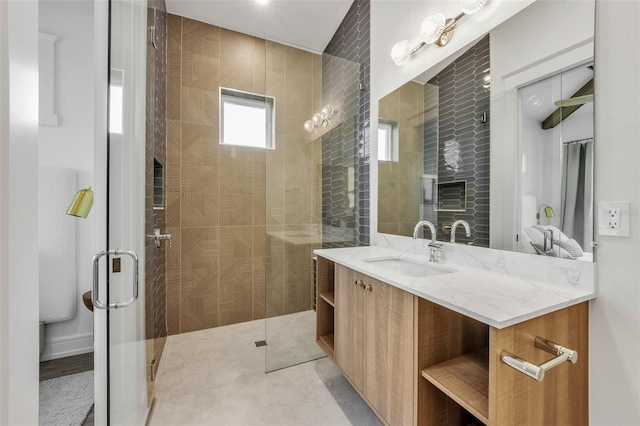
[95, 299]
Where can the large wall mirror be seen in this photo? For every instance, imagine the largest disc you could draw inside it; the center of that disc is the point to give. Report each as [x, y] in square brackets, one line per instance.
[500, 137]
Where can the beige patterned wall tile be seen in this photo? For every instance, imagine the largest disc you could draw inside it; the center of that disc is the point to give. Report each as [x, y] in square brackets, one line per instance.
[200, 72]
[173, 208]
[236, 170]
[173, 251]
[297, 283]
[275, 80]
[258, 290]
[200, 38]
[259, 241]
[409, 210]
[173, 155]
[388, 227]
[316, 91]
[174, 84]
[174, 33]
[199, 248]
[388, 210]
[406, 229]
[275, 210]
[173, 302]
[236, 209]
[274, 285]
[200, 142]
[198, 177]
[236, 290]
[199, 262]
[236, 242]
[198, 313]
[259, 209]
[237, 47]
[199, 106]
[236, 75]
[199, 209]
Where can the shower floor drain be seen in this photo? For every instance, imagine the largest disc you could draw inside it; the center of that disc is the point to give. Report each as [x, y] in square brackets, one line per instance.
[261, 343]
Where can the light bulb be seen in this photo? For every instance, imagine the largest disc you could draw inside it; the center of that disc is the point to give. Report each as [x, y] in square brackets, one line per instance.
[308, 125]
[471, 6]
[326, 112]
[401, 52]
[432, 28]
[317, 119]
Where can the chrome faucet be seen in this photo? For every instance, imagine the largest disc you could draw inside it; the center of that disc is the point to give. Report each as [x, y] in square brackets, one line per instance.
[455, 224]
[435, 248]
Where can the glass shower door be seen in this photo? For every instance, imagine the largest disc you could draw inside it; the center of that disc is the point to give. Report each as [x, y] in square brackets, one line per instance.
[313, 199]
[121, 393]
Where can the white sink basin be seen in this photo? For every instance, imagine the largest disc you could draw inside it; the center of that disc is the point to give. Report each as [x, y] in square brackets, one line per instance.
[408, 267]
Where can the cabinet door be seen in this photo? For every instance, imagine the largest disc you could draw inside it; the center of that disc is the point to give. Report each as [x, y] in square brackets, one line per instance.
[389, 374]
[350, 323]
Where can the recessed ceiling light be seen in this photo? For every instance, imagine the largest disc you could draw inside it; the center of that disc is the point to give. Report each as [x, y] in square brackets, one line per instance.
[262, 1]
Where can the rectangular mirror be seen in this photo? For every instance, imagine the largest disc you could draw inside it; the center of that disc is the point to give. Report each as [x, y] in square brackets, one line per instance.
[501, 133]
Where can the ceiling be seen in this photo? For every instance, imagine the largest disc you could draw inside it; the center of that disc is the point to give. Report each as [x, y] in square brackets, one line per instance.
[305, 24]
[538, 98]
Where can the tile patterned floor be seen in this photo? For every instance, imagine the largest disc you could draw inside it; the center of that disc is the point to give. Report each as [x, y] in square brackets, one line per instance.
[217, 377]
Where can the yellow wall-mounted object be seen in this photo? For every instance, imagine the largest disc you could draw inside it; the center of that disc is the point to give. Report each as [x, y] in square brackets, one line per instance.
[81, 204]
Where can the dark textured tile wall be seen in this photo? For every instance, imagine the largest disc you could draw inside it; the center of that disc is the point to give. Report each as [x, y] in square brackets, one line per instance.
[155, 259]
[461, 141]
[345, 149]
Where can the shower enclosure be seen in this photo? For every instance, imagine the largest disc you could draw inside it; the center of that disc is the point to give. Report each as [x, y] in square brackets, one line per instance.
[313, 199]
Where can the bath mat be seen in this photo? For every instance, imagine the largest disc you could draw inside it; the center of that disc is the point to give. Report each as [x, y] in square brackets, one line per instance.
[66, 400]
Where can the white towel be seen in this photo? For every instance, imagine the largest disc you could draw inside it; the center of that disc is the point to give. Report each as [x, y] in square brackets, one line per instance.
[57, 245]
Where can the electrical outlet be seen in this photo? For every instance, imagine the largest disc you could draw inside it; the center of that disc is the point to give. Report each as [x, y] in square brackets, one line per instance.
[614, 218]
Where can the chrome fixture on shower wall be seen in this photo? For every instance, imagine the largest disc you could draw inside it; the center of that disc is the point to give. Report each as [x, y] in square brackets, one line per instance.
[435, 29]
[320, 118]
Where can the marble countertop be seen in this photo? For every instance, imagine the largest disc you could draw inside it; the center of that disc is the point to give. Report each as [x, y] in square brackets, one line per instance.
[497, 299]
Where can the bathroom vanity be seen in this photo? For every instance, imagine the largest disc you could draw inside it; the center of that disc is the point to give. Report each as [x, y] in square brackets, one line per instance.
[425, 343]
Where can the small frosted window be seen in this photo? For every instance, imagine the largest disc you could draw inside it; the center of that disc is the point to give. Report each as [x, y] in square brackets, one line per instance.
[246, 119]
[115, 109]
[387, 140]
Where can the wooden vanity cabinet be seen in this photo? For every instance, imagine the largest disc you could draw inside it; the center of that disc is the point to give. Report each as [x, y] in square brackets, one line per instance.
[374, 343]
[460, 362]
[418, 363]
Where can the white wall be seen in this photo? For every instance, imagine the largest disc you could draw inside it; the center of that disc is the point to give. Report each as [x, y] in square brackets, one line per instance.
[18, 213]
[71, 145]
[614, 350]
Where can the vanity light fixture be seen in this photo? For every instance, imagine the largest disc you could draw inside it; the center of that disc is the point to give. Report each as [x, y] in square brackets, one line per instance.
[321, 118]
[548, 211]
[435, 29]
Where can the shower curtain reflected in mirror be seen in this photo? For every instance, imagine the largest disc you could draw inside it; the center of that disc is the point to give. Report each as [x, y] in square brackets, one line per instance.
[577, 191]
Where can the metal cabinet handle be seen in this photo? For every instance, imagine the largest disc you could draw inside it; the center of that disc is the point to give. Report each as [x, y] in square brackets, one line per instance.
[96, 269]
[367, 287]
[537, 372]
[157, 237]
[358, 283]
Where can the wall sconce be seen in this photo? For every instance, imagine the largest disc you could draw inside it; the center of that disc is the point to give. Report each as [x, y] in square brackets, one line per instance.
[319, 119]
[548, 211]
[436, 30]
[81, 204]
